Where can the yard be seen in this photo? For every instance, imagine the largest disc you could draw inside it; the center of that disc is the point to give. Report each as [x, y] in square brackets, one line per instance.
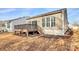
[10, 42]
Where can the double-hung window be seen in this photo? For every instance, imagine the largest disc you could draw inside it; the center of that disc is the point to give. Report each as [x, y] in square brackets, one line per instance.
[43, 22]
[52, 21]
[48, 22]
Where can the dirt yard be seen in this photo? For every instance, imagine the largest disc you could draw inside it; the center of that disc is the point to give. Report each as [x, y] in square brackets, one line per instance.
[10, 42]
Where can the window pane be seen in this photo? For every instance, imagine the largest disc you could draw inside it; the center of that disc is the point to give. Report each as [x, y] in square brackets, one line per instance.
[43, 22]
[34, 24]
[48, 21]
[52, 21]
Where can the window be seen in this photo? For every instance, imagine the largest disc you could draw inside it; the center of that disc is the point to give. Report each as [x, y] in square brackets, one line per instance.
[52, 21]
[34, 24]
[8, 25]
[3, 25]
[48, 21]
[43, 22]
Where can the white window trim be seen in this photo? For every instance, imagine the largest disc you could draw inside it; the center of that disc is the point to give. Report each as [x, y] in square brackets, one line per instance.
[43, 22]
[53, 21]
[50, 22]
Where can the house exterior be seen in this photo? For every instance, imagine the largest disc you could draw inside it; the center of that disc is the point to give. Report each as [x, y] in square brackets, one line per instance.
[18, 21]
[51, 23]
[3, 26]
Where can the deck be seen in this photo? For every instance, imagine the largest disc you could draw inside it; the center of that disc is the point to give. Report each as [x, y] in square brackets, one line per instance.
[29, 27]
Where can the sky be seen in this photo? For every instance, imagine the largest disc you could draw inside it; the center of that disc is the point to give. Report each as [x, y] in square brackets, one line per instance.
[12, 13]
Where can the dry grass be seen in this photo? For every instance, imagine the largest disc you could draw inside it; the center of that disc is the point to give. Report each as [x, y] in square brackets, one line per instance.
[10, 42]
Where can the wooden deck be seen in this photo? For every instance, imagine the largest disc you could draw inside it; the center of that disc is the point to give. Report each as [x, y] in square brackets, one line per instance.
[24, 29]
[29, 27]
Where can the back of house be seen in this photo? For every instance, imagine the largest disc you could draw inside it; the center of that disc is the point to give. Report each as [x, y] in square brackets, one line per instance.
[51, 23]
[3, 26]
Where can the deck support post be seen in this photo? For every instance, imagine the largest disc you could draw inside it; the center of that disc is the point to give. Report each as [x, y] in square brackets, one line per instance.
[27, 33]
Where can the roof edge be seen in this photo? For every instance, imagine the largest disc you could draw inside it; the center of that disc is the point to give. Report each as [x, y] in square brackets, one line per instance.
[48, 13]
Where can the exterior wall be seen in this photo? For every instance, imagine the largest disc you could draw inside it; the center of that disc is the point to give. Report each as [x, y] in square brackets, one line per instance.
[59, 29]
[3, 26]
[61, 24]
[65, 20]
[16, 22]
[50, 30]
[6, 24]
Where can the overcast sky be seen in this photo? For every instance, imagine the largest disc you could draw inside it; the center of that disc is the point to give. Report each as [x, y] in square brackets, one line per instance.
[11, 13]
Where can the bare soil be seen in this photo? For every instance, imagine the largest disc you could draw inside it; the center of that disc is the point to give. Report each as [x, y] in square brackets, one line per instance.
[10, 42]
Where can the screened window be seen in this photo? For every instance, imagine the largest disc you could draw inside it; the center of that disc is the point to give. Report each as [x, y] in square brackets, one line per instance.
[43, 22]
[52, 21]
[48, 21]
